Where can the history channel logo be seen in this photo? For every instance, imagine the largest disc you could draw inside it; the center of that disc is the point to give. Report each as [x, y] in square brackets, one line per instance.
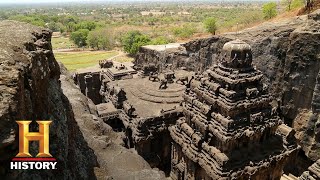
[24, 159]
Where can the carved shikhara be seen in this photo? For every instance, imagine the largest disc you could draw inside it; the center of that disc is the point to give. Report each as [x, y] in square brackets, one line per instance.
[229, 129]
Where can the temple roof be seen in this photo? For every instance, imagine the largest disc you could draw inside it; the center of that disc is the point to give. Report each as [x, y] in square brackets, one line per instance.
[236, 45]
[237, 54]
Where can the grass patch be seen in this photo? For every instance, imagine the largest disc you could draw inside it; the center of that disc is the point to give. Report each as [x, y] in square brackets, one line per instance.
[62, 43]
[78, 60]
[124, 58]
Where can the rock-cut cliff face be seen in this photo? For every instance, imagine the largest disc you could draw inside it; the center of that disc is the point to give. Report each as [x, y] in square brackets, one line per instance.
[288, 53]
[30, 90]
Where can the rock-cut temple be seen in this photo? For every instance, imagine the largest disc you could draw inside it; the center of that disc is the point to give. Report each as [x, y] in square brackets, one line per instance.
[229, 129]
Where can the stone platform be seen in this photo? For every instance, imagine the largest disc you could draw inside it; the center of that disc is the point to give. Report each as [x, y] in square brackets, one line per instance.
[146, 96]
[119, 71]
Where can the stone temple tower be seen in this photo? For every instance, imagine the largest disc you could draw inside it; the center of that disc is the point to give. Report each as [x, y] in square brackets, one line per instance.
[229, 129]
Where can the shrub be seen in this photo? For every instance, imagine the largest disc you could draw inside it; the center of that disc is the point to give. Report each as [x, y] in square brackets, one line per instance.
[269, 10]
[211, 25]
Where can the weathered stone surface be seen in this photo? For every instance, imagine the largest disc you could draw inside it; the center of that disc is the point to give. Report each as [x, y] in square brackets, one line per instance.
[115, 161]
[30, 90]
[307, 127]
[143, 112]
[286, 51]
[313, 172]
[172, 55]
[229, 129]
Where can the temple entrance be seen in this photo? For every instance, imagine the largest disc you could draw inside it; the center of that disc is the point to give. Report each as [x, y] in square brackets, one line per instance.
[116, 124]
[157, 151]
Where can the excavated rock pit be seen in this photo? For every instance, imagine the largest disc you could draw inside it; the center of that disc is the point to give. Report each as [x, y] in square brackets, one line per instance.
[32, 86]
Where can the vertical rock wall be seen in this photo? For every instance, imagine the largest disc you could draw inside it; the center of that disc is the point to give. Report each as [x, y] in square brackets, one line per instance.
[30, 90]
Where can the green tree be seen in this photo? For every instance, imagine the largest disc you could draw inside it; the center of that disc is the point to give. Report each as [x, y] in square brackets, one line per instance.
[269, 10]
[105, 43]
[80, 37]
[69, 19]
[29, 19]
[70, 27]
[62, 28]
[100, 39]
[93, 39]
[133, 40]
[297, 4]
[211, 25]
[53, 26]
[86, 25]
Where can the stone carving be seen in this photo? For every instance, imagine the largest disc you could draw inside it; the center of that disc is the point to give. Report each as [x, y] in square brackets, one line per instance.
[313, 172]
[169, 76]
[154, 76]
[228, 124]
[105, 64]
[183, 80]
[116, 95]
[129, 110]
[237, 54]
[163, 84]
[149, 68]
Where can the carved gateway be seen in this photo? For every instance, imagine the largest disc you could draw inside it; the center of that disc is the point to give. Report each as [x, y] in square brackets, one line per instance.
[229, 130]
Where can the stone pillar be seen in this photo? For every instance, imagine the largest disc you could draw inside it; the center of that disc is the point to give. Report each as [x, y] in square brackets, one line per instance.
[89, 86]
[92, 87]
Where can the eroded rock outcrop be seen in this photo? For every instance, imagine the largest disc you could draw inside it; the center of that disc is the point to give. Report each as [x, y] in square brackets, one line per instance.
[30, 90]
[32, 86]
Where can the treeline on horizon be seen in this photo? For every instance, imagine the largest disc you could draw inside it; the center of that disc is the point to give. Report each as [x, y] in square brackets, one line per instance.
[105, 27]
[130, 2]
